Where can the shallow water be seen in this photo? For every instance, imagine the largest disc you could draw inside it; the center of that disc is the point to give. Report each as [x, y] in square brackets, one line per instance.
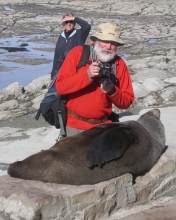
[3, 168]
[34, 59]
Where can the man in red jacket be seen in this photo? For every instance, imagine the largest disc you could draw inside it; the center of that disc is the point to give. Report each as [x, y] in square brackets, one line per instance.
[91, 94]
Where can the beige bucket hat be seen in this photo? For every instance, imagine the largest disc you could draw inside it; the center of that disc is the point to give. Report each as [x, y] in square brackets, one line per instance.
[107, 32]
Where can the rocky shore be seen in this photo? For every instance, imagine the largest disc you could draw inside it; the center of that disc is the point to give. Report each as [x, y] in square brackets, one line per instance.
[149, 30]
[17, 100]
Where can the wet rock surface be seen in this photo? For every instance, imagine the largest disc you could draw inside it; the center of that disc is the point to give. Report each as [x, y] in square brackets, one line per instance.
[148, 28]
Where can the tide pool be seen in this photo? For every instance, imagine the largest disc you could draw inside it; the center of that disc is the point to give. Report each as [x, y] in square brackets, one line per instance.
[31, 60]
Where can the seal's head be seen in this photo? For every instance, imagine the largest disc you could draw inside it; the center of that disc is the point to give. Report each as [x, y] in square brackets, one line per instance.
[152, 123]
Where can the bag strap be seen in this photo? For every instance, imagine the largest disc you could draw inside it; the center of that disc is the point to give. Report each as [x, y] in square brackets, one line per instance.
[115, 65]
[84, 56]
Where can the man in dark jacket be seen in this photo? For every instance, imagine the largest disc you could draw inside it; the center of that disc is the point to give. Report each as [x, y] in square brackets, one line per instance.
[69, 38]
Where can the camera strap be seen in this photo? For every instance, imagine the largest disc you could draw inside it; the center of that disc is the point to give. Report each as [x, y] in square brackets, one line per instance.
[114, 68]
[93, 55]
[89, 53]
[113, 63]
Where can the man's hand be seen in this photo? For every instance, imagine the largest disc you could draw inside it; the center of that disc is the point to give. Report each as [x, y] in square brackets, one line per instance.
[68, 18]
[108, 87]
[94, 70]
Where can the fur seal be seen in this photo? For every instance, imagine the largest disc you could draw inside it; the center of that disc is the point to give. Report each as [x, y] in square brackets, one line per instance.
[98, 154]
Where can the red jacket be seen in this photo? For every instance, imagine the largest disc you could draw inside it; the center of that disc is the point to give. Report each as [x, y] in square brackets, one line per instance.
[85, 98]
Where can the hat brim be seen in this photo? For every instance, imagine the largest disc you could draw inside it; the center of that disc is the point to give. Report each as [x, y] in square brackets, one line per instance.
[117, 41]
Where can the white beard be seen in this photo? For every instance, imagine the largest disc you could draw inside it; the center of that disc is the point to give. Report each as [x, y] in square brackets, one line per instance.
[102, 55]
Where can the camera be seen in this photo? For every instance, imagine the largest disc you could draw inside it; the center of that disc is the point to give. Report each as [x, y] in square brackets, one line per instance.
[107, 73]
[105, 70]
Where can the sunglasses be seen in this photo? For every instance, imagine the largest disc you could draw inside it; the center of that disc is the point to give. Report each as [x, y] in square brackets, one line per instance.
[71, 22]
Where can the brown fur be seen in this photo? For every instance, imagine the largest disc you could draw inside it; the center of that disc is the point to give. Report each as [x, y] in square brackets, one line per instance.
[66, 162]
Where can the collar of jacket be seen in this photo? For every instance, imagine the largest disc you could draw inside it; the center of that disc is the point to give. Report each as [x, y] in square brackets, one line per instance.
[73, 33]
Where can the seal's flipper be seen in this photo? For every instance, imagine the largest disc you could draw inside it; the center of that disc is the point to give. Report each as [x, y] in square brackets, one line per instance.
[110, 144]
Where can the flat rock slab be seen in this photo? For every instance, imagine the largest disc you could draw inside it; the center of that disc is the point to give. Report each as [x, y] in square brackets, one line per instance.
[156, 210]
[33, 200]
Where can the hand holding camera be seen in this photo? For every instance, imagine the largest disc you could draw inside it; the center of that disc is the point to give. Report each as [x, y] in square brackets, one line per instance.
[108, 87]
[107, 78]
[94, 70]
[103, 71]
